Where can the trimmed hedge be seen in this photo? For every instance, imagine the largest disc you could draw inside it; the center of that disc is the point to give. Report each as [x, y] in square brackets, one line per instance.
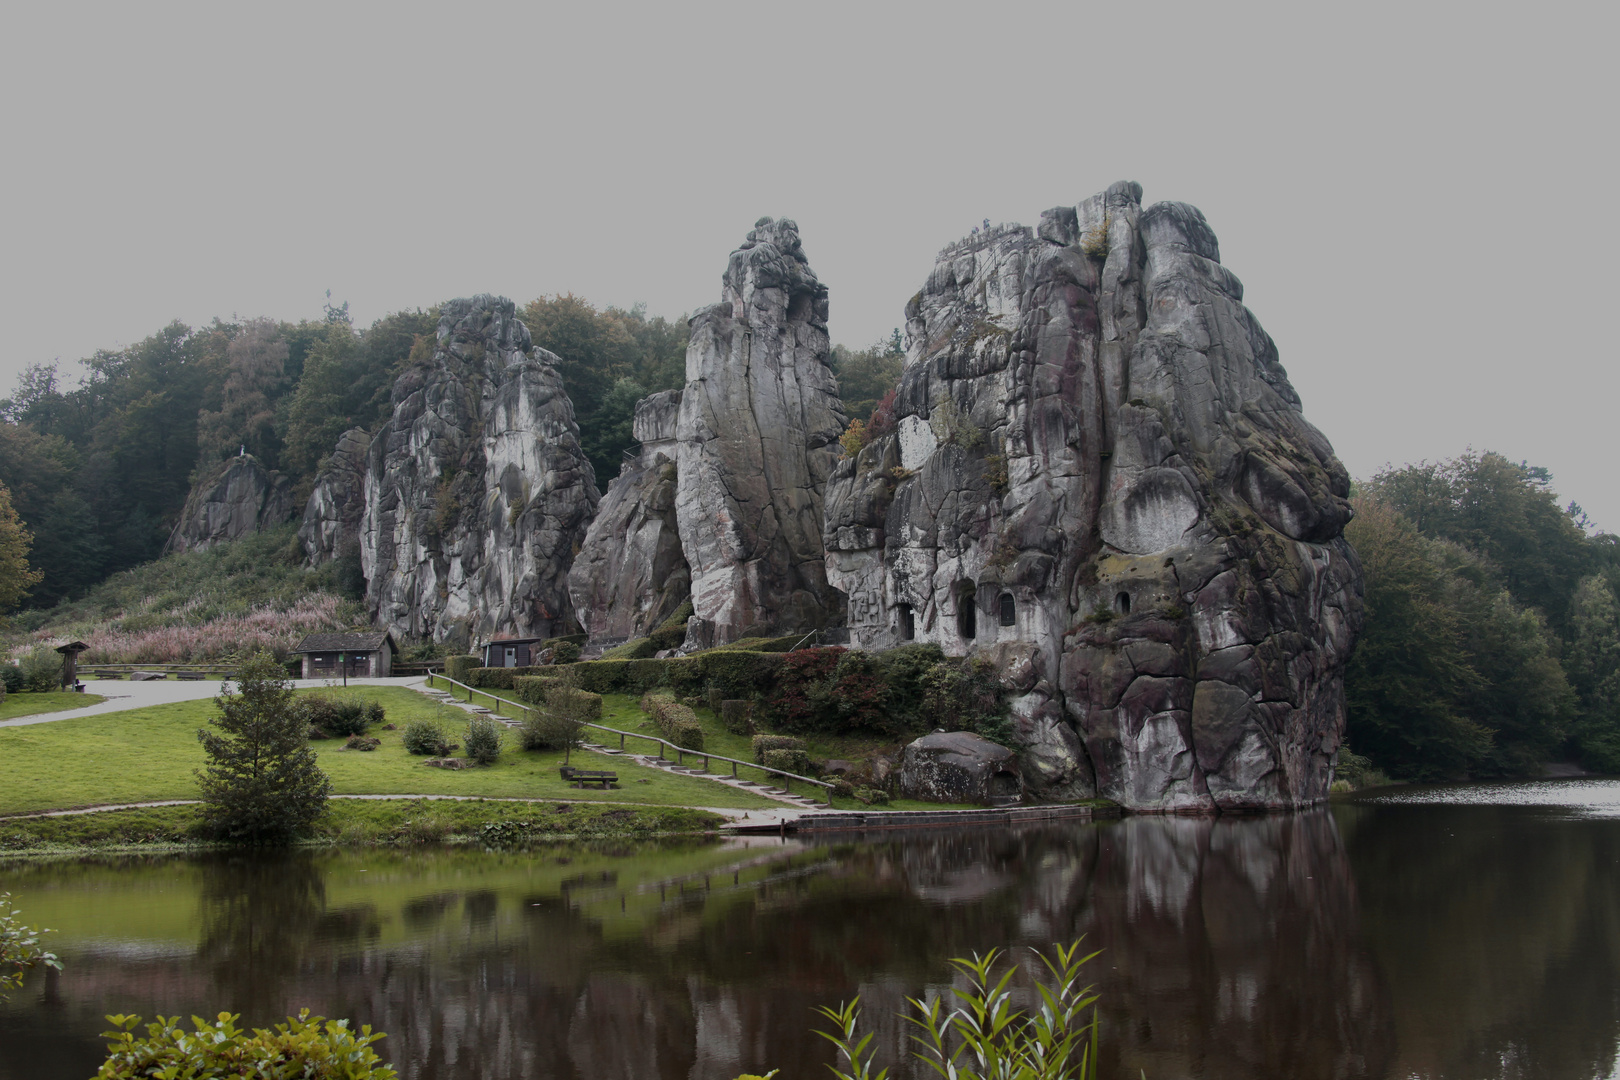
[574, 704]
[500, 678]
[789, 761]
[675, 721]
[534, 688]
[672, 631]
[459, 667]
[764, 744]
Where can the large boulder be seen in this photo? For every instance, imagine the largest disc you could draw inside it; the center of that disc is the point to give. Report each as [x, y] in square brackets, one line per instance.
[240, 496]
[477, 494]
[631, 573]
[332, 516]
[1098, 467]
[958, 767]
[756, 440]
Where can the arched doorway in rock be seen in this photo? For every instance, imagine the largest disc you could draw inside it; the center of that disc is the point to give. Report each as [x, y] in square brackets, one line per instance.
[1122, 604]
[967, 609]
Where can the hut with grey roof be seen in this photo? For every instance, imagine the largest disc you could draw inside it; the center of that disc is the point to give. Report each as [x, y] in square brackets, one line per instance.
[356, 654]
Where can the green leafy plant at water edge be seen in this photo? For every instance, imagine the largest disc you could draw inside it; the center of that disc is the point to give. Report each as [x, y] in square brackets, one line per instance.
[19, 948]
[302, 1046]
[983, 1035]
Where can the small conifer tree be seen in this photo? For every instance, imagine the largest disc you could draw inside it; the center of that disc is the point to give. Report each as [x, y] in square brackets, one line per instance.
[261, 785]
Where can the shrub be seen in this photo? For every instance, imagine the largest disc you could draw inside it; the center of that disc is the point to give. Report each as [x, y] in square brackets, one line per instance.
[803, 699]
[533, 689]
[41, 668]
[737, 716]
[303, 1046]
[484, 739]
[375, 713]
[766, 743]
[872, 796]
[337, 718]
[964, 694]
[544, 730]
[653, 700]
[360, 742]
[11, 675]
[789, 761]
[843, 789]
[597, 676]
[459, 667]
[261, 784]
[901, 670]
[424, 738]
[739, 674]
[564, 652]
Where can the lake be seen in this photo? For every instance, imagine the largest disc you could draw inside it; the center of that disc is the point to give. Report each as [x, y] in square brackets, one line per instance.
[1464, 931]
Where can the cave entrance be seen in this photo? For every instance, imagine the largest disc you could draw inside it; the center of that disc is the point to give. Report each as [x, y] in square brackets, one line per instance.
[1122, 603]
[1009, 610]
[908, 622]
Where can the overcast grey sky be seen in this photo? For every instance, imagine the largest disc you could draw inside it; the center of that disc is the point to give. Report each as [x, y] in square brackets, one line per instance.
[1419, 198]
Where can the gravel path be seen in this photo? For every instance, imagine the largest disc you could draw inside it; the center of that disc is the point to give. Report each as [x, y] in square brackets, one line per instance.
[122, 696]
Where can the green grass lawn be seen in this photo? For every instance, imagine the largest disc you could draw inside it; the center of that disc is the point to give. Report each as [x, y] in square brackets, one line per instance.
[150, 754]
[623, 711]
[365, 822]
[29, 702]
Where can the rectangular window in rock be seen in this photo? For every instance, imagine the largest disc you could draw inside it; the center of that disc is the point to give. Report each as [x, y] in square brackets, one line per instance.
[908, 623]
[1009, 610]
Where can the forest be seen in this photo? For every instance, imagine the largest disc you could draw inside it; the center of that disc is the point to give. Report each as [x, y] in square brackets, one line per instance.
[1492, 640]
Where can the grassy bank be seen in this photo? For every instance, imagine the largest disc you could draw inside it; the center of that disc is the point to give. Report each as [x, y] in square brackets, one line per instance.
[366, 822]
[623, 711]
[143, 755]
[30, 703]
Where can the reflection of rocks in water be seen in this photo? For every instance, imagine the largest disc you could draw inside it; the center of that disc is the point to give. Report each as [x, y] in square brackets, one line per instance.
[1231, 950]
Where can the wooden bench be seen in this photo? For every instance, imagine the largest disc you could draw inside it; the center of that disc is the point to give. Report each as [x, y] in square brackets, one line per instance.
[580, 777]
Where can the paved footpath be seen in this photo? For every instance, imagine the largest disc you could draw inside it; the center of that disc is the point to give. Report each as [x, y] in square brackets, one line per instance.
[122, 696]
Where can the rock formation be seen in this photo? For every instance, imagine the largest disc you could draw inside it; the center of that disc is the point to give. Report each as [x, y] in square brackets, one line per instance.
[1099, 475]
[332, 517]
[477, 494]
[958, 767]
[239, 497]
[631, 574]
[756, 441]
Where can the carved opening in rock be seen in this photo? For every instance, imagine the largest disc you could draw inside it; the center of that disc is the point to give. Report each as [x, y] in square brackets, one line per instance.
[967, 615]
[1003, 785]
[908, 623]
[1122, 603]
[1009, 610]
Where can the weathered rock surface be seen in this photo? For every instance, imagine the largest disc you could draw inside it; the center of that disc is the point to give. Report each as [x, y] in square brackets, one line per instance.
[477, 494]
[332, 517]
[631, 574]
[756, 441]
[1100, 471]
[239, 497]
[958, 767]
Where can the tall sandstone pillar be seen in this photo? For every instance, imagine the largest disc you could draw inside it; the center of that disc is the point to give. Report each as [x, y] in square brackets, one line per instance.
[756, 441]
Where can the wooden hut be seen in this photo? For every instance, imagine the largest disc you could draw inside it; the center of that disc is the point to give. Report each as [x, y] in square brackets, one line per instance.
[511, 652]
[357, 654]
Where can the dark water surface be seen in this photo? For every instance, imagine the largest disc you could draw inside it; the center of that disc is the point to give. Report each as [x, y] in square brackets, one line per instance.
[1441, 932]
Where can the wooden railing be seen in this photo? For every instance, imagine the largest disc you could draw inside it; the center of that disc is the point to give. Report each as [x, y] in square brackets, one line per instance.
[680, 751]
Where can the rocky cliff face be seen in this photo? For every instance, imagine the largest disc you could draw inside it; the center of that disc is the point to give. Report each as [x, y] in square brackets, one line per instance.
[1100, 475]
[239, 497]
[631, 574]
[332, 516]
[477, 494]
[756, 440]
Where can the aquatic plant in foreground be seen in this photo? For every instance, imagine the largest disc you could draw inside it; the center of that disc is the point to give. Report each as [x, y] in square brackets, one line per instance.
[984, 1036]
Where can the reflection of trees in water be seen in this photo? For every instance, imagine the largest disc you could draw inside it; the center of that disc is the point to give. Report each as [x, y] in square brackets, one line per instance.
[1498, 931]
